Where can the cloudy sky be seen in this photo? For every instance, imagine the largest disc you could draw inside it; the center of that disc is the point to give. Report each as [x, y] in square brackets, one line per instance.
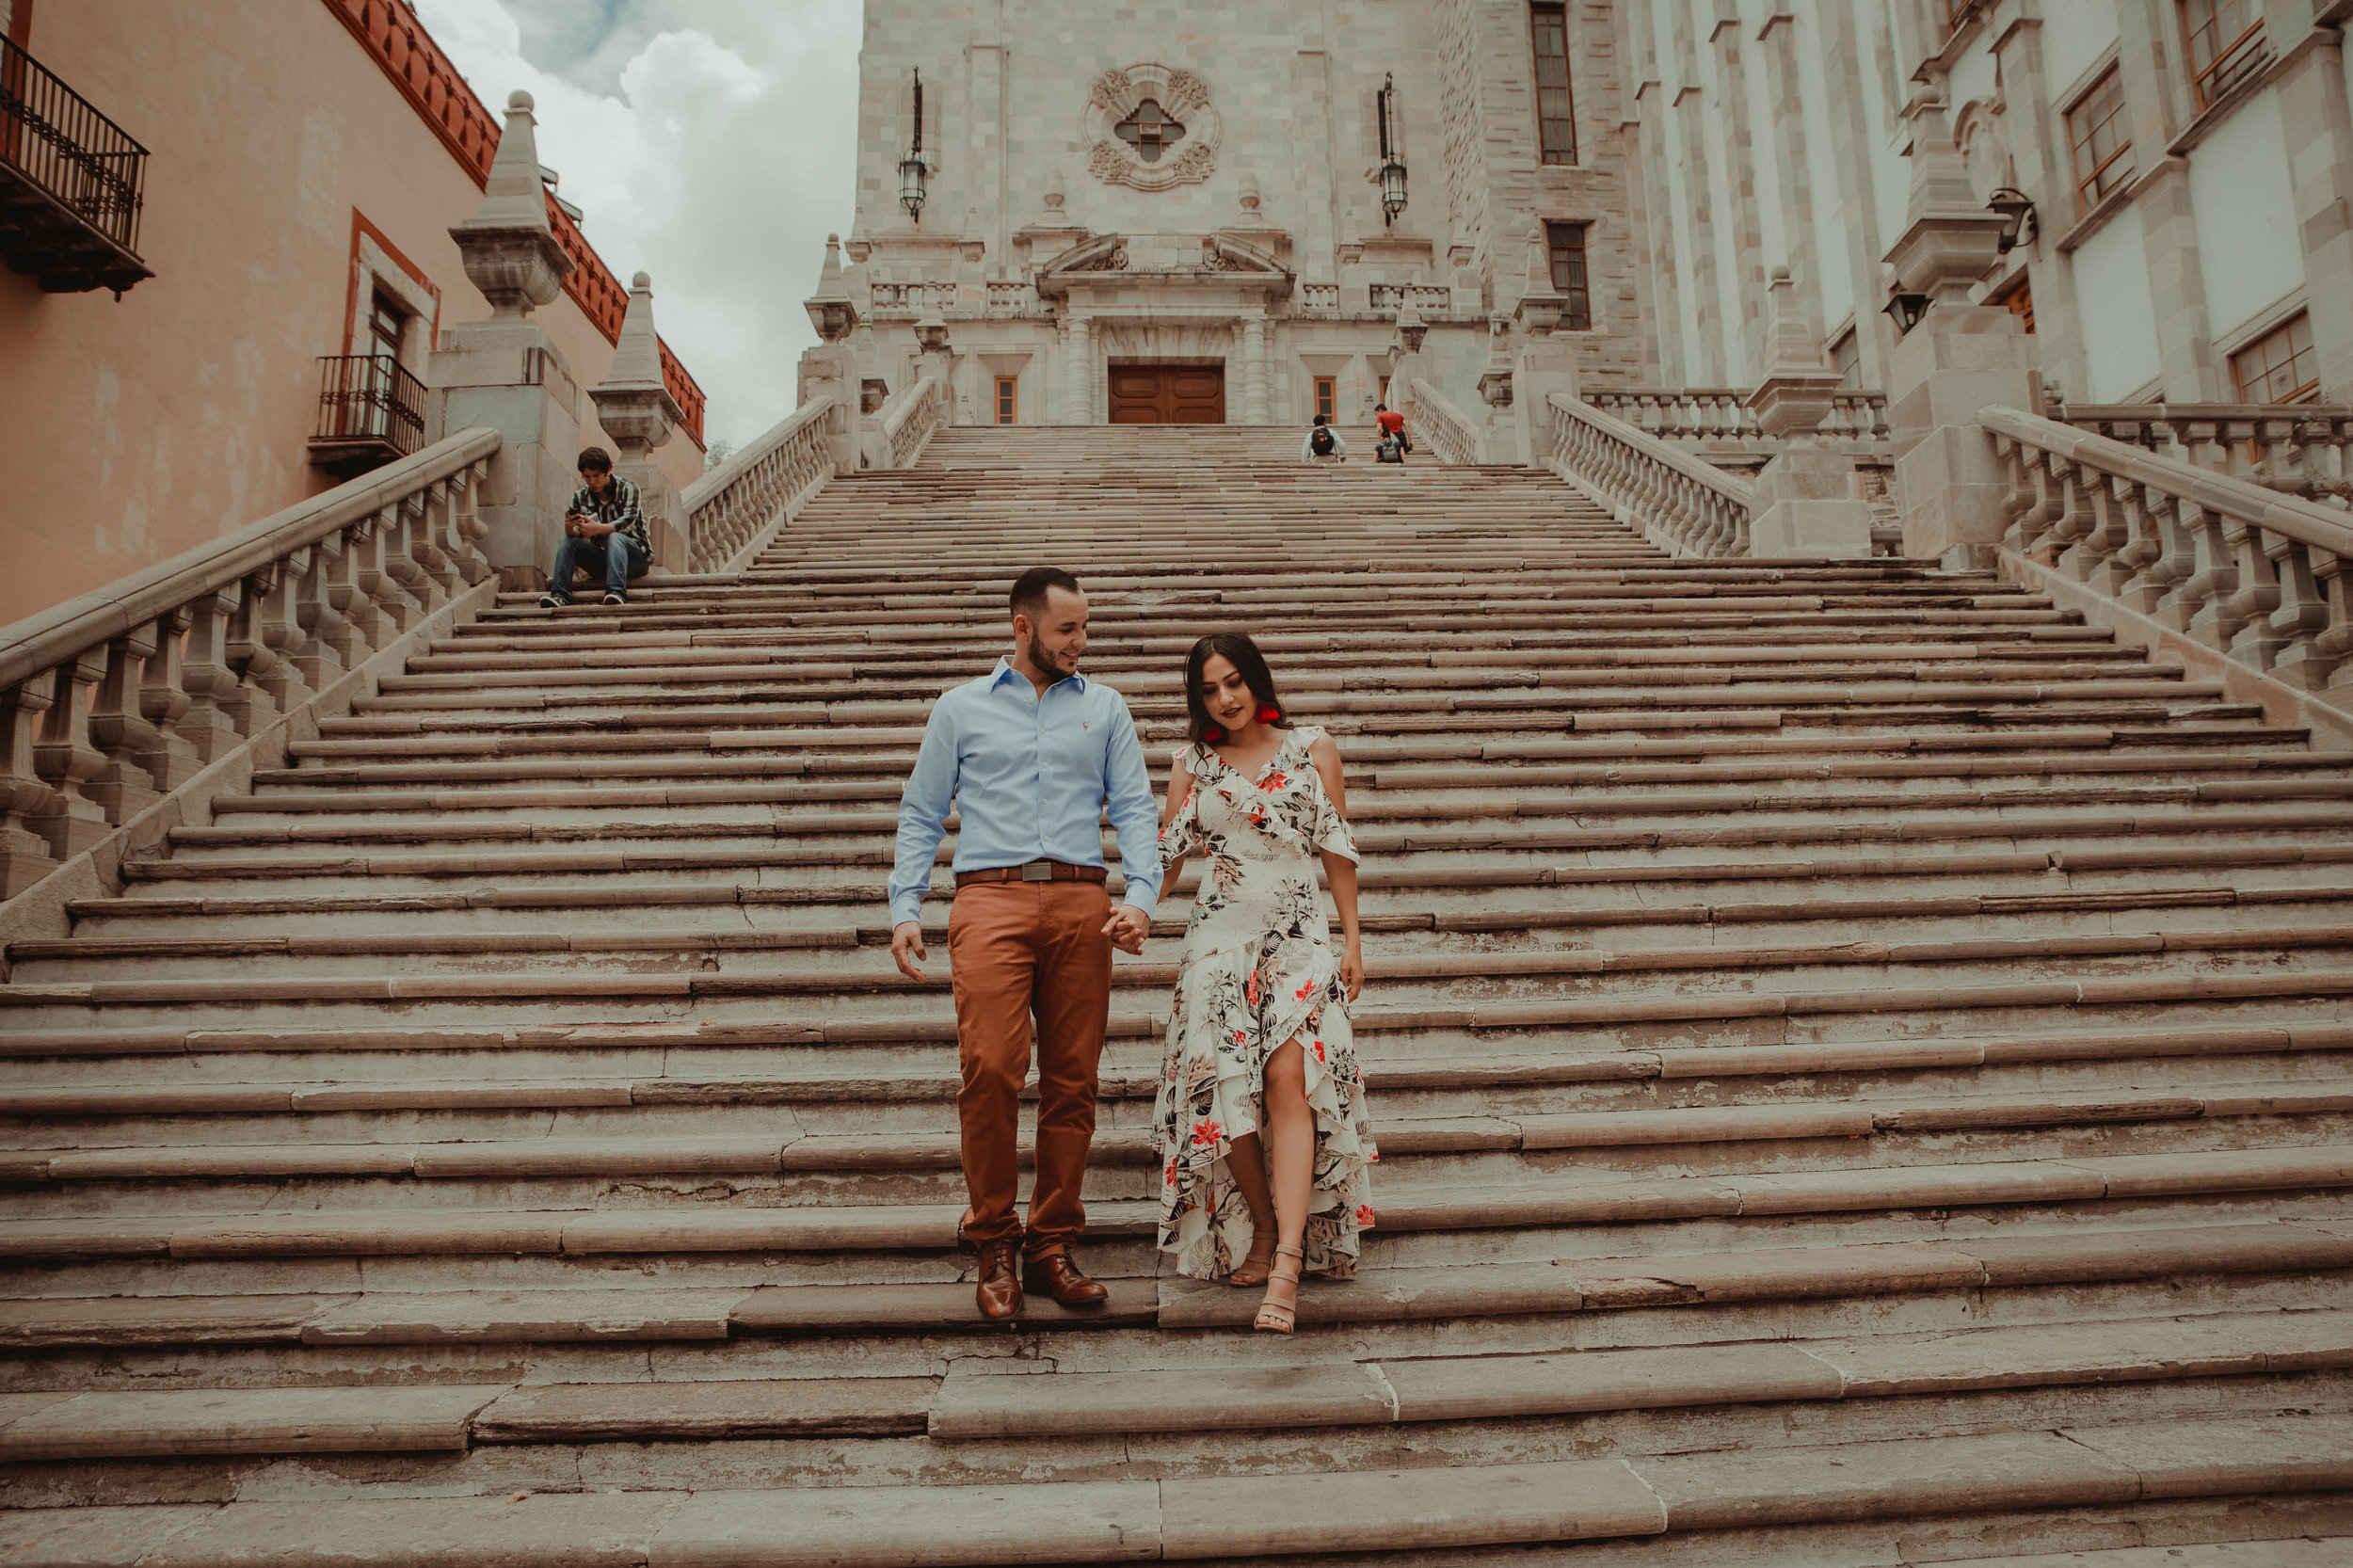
[711, 143]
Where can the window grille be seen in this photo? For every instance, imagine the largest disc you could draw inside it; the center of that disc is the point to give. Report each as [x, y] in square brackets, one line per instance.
[2101, 137]
[1556, 115]
[1567, 244]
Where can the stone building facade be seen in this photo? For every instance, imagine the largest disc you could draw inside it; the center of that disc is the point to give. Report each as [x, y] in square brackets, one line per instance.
[1129, 214]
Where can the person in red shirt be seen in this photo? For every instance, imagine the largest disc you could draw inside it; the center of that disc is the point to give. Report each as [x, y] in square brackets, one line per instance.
[1392, 425]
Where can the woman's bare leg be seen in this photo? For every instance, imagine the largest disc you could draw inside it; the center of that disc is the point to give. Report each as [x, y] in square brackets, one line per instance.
[1291, 1130]
[1245, 1161]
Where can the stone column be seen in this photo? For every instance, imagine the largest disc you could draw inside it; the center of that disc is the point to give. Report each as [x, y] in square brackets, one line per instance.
[1748, 235]
[1785, 88]
[1958, 359]
[831, 369]
[506, 372]
[1809, 500]
[2314, 115]
[1254, 371]
[1666, 281]
[1541, 363]
[1706, 362]
[636, 408]
[1077, 391]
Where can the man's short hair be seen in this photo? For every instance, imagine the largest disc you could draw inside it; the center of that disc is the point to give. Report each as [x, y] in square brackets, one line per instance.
[1380, 408]
[597, 459]
[1324, 419]
[1029, 589]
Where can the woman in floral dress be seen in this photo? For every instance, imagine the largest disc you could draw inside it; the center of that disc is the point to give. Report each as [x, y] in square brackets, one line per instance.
[1264, 1142]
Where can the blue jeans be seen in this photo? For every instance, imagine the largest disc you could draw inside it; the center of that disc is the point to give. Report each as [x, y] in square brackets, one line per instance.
[617, 554]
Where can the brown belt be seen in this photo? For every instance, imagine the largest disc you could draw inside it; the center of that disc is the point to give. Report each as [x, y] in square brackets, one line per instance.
[1036, 871]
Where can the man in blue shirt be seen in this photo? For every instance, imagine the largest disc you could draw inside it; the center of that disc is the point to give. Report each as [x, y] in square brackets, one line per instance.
[1032, 754]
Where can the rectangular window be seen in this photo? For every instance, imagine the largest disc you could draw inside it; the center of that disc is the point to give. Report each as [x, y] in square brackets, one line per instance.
[2279, 366]
[387, 324]
[1846, 357]
[1556, 115]
[1008, 400]
[2102, 139]
[2226, 42]
[1328, 397]
[1567, 242]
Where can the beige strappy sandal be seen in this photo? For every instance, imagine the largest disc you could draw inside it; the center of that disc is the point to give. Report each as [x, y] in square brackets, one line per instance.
[1281, 1317]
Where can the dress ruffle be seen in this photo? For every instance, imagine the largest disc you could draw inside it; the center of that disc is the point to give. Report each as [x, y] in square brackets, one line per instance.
[1258, 970]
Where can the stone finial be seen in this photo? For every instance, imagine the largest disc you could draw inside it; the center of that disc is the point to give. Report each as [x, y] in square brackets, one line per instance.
[1411, 328]
[1246, 215]
[1540, 306]
[509, 251]
[1796, 393]
[1052, 216]
[634, 402]
[931, 335]
[1495, 379]
[1949, 239]
[830, 309]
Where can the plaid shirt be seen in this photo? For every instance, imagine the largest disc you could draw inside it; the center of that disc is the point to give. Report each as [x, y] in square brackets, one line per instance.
[619, 507]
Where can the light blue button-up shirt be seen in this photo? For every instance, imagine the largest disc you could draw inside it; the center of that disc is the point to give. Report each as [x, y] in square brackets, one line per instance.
[1031, 777]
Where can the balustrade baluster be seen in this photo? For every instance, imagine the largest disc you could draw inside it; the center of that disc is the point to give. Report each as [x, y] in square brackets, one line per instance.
[2301, 617]
[251, 702]
[2075, 517]
[309, 609]
[2333, 665]
[2204, 602]
[275, 628]
[2049, 500]
[70, 819]
[118, 731]
[24, 854]
[164, 703]
[362, 618]
[395, 607]
[467, 524]
[2255, 642]
[209, 727]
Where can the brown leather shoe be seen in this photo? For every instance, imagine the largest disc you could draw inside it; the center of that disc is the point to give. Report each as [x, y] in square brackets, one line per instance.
[1054, 1273]
[998, 1292]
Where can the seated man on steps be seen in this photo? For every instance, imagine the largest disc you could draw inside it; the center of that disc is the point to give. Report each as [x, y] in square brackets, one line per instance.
[604, 531]
[1323, 443]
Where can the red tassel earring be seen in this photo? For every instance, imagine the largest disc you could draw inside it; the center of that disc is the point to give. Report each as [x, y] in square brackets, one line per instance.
[1215, 735]
[1268, 713]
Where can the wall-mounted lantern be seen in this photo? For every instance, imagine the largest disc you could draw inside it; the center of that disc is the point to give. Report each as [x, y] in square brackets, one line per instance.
[1392, 166]
[911, 167]
[1904, 309]
[2019, 225]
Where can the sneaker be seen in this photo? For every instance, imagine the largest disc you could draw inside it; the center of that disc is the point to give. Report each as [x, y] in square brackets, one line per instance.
[554, 601]
[617, 599]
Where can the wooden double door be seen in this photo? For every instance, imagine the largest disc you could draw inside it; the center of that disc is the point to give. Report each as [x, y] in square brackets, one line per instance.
[1167, 395]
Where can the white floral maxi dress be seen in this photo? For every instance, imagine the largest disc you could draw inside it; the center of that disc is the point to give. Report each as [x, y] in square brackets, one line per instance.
[1259, 969]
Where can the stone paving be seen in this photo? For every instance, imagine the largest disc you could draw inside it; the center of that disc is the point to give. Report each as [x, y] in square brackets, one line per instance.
[1860, 1060]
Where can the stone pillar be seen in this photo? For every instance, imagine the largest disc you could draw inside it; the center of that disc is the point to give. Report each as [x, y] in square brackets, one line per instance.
[1405, 363]
[1254, 371]
[1958, 359]
[1078, 387]
[831, 369]
[1748, 235]
[1501, 427]
[937, 363]
[636, 408]
[1666, 278]
[506, 372]
[1809, 500]
[1778, 34]
[2320, 132]
[1706, 362]
[1543, 363]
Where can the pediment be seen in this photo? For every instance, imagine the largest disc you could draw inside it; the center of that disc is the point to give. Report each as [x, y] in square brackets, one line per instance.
[1166, 259]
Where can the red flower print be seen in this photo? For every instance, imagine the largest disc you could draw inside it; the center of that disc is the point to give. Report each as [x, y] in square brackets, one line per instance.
[1168, 1177]
[1319, 1051]
[1205, 1134]
[1240, 1037]
[1250, 988]
[1257, 816]
[1364, 1216]
[1274, 781]
[1305, 987]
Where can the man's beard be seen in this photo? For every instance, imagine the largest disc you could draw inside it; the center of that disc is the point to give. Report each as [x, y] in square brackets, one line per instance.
[1046, 662]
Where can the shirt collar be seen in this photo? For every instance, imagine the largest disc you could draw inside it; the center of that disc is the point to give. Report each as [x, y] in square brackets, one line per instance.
[1006, 672]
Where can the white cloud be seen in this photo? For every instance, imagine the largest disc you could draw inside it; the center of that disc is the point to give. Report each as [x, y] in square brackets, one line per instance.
[712, 144]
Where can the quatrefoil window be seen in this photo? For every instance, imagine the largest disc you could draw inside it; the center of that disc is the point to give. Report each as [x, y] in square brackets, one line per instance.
[1149, 131]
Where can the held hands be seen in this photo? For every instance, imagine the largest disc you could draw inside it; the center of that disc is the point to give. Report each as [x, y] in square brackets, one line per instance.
[907, 950]
[1352, 968]
[1126, 928]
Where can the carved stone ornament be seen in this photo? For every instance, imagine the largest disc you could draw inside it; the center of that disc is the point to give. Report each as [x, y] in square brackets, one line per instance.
[1151, 128]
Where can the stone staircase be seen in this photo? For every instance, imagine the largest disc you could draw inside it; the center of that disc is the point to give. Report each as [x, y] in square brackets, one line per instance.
[1860, 1058]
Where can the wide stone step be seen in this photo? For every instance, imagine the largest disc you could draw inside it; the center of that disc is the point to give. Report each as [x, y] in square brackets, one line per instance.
[1176, 1516]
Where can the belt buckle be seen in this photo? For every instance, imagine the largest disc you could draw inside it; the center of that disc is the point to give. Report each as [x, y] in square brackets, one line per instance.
[1038, 870]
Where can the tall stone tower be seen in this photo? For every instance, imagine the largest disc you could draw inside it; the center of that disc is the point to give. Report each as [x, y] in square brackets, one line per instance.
[1222, 212]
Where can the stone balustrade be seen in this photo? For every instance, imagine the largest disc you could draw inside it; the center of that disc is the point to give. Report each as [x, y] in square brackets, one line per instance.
[2301, 449]
[1445, 429]
[910, 419]
[731, 511]
[1719, 418]
[1686, 505]
[112, 700]
[2256, 575]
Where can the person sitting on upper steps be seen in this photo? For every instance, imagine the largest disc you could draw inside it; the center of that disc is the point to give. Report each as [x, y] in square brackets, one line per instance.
[1323, 443]
[1395, 443]
[604, 531]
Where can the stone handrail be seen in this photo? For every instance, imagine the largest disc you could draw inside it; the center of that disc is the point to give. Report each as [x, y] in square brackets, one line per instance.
[2304, 449]
[1720, 417]
[1688, 506]
[1445, 428]
[910, 419]
[729, 509]
[112, 700]
[2260, 577]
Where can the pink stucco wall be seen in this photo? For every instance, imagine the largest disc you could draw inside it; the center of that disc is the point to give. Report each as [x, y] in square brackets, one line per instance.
[132, 431]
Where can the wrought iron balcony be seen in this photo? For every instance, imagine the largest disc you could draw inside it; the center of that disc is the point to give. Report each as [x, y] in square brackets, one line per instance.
[69, 185]
[371, 412]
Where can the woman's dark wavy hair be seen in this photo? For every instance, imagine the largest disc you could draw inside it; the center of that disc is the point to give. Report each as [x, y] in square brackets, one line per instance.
[1246, 658]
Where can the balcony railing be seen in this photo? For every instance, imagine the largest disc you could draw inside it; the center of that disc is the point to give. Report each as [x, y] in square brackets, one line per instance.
[371, 412]
[71, 184]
